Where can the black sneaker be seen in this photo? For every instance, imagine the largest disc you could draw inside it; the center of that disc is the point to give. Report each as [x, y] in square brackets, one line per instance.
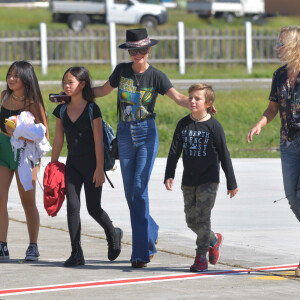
[32, 253]
[114, 244]
[4, 254]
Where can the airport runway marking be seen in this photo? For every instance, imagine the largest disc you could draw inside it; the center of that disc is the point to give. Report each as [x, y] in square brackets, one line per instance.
[127, 281]
[286, 274]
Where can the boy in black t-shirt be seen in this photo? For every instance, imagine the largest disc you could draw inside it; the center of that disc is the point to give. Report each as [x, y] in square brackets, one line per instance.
[201, 139]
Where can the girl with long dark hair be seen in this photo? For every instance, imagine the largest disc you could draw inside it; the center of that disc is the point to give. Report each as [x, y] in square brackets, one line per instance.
[22, 94]
[85, 161]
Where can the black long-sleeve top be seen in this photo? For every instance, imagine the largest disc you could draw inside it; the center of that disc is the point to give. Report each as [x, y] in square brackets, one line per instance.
[203, 147]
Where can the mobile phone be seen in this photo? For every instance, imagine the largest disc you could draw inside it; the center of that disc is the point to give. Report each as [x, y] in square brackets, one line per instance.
[57, 98]
[10, 123]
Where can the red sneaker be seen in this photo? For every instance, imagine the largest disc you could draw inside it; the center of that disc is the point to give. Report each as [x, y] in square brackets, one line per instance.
[297, 271]
[200, 264]
[214, 252]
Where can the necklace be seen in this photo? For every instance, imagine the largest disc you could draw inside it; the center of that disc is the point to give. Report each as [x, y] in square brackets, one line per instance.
[138, 81]
[197, 120]
[20, 99]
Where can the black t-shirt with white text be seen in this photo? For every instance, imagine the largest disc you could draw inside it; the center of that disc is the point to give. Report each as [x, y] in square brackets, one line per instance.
[203, 147]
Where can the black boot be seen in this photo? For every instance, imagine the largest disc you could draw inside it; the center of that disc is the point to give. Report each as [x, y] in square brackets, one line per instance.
[76, 257]
[114, 244]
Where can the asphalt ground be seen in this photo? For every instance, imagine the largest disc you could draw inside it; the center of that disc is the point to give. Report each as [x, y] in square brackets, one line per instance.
[258, 256]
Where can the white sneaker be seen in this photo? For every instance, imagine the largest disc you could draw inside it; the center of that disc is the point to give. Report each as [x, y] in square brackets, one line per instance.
[32, 253]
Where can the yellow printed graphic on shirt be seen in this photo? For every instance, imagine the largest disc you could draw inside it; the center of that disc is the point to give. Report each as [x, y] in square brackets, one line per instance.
[133, 103]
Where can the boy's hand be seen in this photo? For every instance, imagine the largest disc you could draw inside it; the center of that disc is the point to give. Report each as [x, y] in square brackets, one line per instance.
[169, 183]
[232, 193]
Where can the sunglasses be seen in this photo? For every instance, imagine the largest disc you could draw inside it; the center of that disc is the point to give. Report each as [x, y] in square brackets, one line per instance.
[134, 52]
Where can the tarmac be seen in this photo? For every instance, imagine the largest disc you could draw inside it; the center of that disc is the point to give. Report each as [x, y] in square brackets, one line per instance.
[258, 256]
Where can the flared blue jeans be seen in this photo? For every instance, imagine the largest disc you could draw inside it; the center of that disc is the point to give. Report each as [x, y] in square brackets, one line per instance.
[290, 161]
[138, 144]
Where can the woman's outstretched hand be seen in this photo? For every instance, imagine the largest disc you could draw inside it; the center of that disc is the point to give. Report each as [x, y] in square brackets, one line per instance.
[255, 130]
[213, 110]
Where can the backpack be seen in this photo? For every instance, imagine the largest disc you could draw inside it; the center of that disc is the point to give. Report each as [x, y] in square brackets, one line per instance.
[108, 135]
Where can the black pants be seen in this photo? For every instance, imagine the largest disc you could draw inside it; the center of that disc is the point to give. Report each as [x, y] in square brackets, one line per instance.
[80, 170]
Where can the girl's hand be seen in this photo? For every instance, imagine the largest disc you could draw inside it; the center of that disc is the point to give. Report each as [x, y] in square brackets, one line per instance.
[232, 193]
[169, 183]
[24, 139]
[63, 102]
[9, 130]
[99, 177]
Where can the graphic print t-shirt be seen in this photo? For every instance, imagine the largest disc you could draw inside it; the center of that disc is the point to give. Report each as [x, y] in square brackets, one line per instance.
[203, 147]
[137, 93]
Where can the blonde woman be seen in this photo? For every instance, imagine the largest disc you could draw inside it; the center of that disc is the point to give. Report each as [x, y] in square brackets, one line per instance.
[139, 84]
[285, 98]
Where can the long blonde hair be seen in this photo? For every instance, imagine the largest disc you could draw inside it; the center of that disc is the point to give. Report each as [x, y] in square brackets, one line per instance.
[289, 36]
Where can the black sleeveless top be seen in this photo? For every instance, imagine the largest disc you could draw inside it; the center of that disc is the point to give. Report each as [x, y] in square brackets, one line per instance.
[6, 113]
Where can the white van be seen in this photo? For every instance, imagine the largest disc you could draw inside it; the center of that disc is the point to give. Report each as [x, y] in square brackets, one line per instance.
[77, 14]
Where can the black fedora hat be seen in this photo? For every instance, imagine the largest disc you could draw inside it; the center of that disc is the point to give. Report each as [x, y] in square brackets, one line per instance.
[137, 39]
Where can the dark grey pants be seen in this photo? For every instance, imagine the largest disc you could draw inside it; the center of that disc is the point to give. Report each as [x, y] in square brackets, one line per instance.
[198, 203]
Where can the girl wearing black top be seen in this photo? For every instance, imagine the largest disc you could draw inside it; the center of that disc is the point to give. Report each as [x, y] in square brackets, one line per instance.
[22, 94]
[85, 161]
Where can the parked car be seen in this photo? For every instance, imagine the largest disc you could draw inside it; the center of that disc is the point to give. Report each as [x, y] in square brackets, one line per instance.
[227, 9]
[77, 14]
[24, 3]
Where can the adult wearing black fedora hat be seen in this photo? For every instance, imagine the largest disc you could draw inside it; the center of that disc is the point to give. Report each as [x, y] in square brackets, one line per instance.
[137, 39]
[138, 85]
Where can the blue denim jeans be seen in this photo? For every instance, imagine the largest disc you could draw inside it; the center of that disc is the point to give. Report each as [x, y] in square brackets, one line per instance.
[138, 144]
[290, 161]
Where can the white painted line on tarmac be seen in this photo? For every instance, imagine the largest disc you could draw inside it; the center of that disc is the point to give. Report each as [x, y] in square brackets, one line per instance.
[141, 280]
